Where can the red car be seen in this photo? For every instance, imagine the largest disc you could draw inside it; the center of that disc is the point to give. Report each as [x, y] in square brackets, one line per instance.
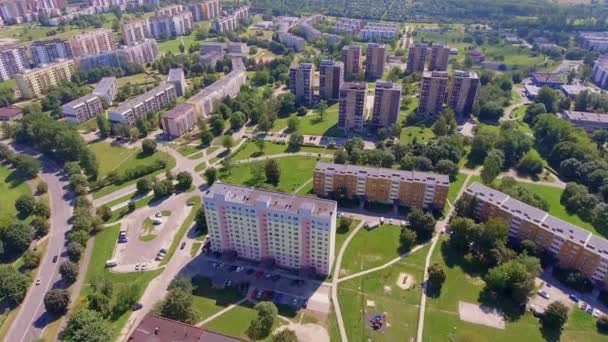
[259, 274]
[254, 293]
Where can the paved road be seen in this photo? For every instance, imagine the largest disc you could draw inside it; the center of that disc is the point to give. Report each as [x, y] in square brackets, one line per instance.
[32, 317]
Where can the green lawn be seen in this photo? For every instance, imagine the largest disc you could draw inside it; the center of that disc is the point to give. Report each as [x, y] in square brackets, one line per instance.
[196, 205]
[312, 124]
[552, 196]
[11, 187]
[172, 45]
[295, 171]
[186, 150]
[236, 321]
[141, 78]
[110, 157]
[102, 250]
[400, 305]
[455, 187]
[250, 150]
[421, 134]
[209, 300]
[341, 235]
[133, 161]
[370, 249]
[518, 118]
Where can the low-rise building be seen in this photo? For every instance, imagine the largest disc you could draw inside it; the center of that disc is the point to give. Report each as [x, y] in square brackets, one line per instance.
[573, 247]
[156, 328]
[291, 41]
[289, 231]
[142, 52]
[572, 90]
[594, 41]
[476, 56]
[138, 107]
[374, 31]
[82, 109]
[177, 77]
[106, 89]
[548, 79]
[36, 82]
[178, 120]
[12, 113]
[586, 120]
[407, 188]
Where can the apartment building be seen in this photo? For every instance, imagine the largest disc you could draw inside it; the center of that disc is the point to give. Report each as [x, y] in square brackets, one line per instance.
[92, 43]
[349, 26]
[289, 231]
[413, 189]
[103, 59]
[594, 41]
[375, 59]
[205, 10]
[142, 52]
[134, 31]
[387, 104]
[82, 109]
[440, 56]
[585, 120]
[178, 120]
[374, 31]
[168, 26]
[416, 57]
[291, 41]
[178, 79]
[20, 11]
[208, 99]
[574, 247]
[331, 77]
[12, 62]
[138, 107]
[230, 22]
[35, 82]
[49, 51]
[170, 10]
[300, 82]
[599, 75]
[351, 57]
[463, 91]
[433, 89]
[352, 106]
[106, 89]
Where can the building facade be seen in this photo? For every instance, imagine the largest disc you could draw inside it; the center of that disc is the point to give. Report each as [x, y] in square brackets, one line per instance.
[432, 92]
[178, 120]
[92, 43]
[440, 57]
[599, 74]
[231, 21]
[407, 188]
[585, 120]
[290, 231]
[300, 82]
[351, 57]
[205, 10]
[49, 51]
[331, 77]
[374, 31]
[573, 247]
[134, 31]
[416, 58]
[142, 52]
[352, 106]
[387, 104]
[12, 62]
[463, 91]
[291, 41]
[36, 82]
[375, 60]
[104, 59]
[106, 89]
[177, 77]
[168, 26]
[151, 101]
[82, 109]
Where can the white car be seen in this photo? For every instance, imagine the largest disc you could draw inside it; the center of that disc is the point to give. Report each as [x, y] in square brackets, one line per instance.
[239, 269]
[137, 267]
[158, 214]
[544, 294]
[38, 281]
[143, 266]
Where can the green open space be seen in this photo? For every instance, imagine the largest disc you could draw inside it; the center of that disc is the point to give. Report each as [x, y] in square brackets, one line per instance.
[11, 187]
[187, 150]
[399, 305]
[172, 45]
[104, 243]
[371, 248]
[455, 187]
[313, 124]
[110, 157]
[195, 203]
[209, 300]
[141, 78]
[250, 150]
[295, 171]
[147, 231]
[420, 134]
[236, 321]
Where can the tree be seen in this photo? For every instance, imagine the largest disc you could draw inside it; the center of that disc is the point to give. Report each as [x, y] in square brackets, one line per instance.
[75, 250]
[602, 324]
[407, 238]
[134, 133]
[550, 98]
[178, 306]
[491, 167]
[600, 137]
[296, 140]
[126, 298]
[41, 187]
[210, 175]
[237, 120]
[31, 259]
[511, 281]
[490, 111]
[131, 206]
[17, 238]
[261, 326]
[201, 220]
[13, 284]
[25, 205]
[422, 223]
[228, 142]
[144, 185]
[103, 124]
[436, 277]
[341, 157]
[163, 188]
[184, 181]
[105, 212]
[148, 146]
[100, 303]
[555, 316]
[447, 167]
[288, 104]
[285, 335]
[69, 271]
[40, 225]
[272, 172]
[322, 108]
[87, 325]
[206, 137]
[260, 144]
[292, 124]
[446, 123]
[56, 301]
[531, 164]
[27, 166]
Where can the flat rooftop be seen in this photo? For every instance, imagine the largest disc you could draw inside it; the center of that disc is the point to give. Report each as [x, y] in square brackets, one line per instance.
[547, 77]
[376, 172]
[586, 116]
[178, 111]
[276, 200]
[159, 329]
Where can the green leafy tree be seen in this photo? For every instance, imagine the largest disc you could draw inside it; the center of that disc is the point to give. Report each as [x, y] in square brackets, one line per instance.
[272, 172]
[25, 205]
[17, 238]
[555, 316]
[27, 166]
[201, 220]
[260, 144]
[148, 146]
[407, 238]
[436, 277]
[422, 223]
[56, 301]
[322, 108]
[296, 140]
[13, 285]
[87, 325]
[69, 271]
[178, 306]
[531, 164]
[104, 212]
[75, 250]
[228, 142]
[292, 124]
[492, 166]
[40, 225]
[103, 124]
[163, 188]
[126, 298]
[211, 175]
[184, 180]
[144, 185]
[285, 335]
[550, 98]
[490, 111]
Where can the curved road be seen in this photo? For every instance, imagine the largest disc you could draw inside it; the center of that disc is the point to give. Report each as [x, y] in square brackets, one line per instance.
[32, 317]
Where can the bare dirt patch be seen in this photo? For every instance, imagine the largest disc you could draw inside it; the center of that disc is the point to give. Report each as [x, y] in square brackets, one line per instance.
[405, 281]
[479, 314]
[307, 332]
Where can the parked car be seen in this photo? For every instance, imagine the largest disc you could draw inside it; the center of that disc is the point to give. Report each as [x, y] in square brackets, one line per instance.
[38, 281]
[544, 294]
[250, 271]
[55, 259]
[239, 269]
[137, 267]
[574, 298]
[232, 268]
[182, 246]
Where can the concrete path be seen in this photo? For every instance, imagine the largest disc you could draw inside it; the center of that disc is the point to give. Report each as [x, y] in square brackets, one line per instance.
[283, 155]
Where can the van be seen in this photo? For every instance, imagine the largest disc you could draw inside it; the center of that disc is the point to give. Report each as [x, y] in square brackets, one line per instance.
[111, 263]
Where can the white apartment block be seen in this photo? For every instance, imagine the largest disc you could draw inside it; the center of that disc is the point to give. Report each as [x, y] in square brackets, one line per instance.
[230, 22]
[138, 107]
[106, 89]
[49, 51]
[167, 26]
[291, 41]
[294, 232]
[82, 109]
[599, 74]
[12, 61]
[142, 52]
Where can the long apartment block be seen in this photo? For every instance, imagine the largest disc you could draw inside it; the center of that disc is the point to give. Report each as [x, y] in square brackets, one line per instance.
[291, 231]
[82, 109]
[574, 247]
[151, 101]
[408, 188]
[36, 82]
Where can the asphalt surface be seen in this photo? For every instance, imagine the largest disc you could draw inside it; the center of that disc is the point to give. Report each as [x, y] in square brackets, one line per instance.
[32, 317]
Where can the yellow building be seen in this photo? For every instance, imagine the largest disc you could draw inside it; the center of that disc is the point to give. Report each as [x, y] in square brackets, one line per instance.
[36, 82]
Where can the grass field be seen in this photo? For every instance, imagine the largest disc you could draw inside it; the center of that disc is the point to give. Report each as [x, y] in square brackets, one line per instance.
[250, 150]
[295, 171]
[370, 249]
[209, 300]
[142, 78]
[172, 45]
[236, 321]
[110, 157]
[401, 306]
[421, 134]
[196, 205]
[313, 125]
[552, 196]
[11, 187]
[102, 250]
[455, 187]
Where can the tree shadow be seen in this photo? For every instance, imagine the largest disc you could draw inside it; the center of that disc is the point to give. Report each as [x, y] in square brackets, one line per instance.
[14, 180]
[453, 257]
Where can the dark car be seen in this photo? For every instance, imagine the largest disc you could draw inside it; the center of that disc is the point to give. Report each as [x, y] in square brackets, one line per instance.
[275, 277]
[55, 259]
[232, 268]
[250, 271]
[182, 246]
[574, 298]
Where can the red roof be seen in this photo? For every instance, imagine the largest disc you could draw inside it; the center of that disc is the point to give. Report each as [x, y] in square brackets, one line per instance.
[159, 329]
[10, 112]
[475, 53]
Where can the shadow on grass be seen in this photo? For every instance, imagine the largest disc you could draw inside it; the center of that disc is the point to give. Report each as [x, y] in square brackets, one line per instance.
[550, 335]
[203, 287]
[454, 258]
[14, 180]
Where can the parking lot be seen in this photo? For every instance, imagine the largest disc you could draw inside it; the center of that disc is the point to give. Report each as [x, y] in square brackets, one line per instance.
[274, 285]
